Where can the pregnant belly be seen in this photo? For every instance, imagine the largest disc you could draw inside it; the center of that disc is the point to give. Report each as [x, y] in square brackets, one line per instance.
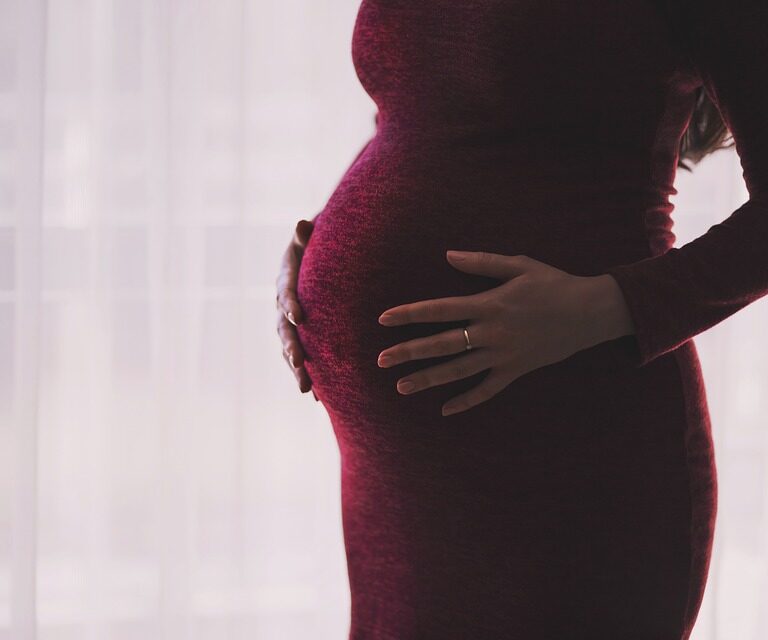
[381, 241]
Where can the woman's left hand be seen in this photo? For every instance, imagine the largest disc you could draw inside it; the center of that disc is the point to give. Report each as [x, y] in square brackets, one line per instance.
[538, 316]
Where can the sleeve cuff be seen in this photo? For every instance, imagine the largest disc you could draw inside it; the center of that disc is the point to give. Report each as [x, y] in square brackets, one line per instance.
[646, 310]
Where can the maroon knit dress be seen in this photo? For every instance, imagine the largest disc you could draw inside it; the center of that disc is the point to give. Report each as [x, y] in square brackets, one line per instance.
[578, 503]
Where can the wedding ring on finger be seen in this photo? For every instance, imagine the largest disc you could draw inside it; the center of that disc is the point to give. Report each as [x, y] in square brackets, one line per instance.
[468, 344]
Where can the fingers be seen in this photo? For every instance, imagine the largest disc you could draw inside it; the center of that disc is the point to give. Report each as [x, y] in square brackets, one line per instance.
[434, 310]
[287, 300]
[456, 369]
[286, 287]
[440, 344]
[288, 276]
[291, 343]
[493, 265]
[293, 352]
[301, 375]
[302, 232]
[289, 306]
[494, 382]
[290, 312]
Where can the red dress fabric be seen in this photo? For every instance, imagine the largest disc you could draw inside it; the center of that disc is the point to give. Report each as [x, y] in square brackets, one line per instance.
[580, 501]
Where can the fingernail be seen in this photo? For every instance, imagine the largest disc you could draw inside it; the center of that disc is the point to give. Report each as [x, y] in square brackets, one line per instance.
[290, 318]
[385, 361]
[384, 318]
[290, 358]
[456, 255]
[448, 409]
[406, 387]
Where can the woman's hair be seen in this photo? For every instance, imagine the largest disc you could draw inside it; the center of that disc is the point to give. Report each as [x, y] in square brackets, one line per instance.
[706, 132]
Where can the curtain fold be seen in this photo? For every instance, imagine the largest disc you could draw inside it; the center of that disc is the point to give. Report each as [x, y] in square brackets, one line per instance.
[27, 113]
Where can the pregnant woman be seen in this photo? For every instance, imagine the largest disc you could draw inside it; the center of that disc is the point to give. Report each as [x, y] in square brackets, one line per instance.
[524, 435]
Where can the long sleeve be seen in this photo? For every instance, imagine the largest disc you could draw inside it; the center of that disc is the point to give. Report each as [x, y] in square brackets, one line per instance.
[674, 296]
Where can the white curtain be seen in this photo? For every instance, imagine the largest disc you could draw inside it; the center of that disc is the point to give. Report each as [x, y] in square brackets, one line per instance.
[161, 475]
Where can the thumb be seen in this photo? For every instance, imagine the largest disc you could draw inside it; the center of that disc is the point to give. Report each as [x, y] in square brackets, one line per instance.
[494, 265]
[302, 232]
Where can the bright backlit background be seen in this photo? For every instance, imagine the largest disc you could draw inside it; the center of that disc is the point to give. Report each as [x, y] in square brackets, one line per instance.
[161, 475]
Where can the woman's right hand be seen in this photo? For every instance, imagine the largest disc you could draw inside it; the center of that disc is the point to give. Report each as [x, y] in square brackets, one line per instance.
[289, 310]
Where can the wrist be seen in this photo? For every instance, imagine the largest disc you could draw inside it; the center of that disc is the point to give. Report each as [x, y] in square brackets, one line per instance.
[607, 313]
